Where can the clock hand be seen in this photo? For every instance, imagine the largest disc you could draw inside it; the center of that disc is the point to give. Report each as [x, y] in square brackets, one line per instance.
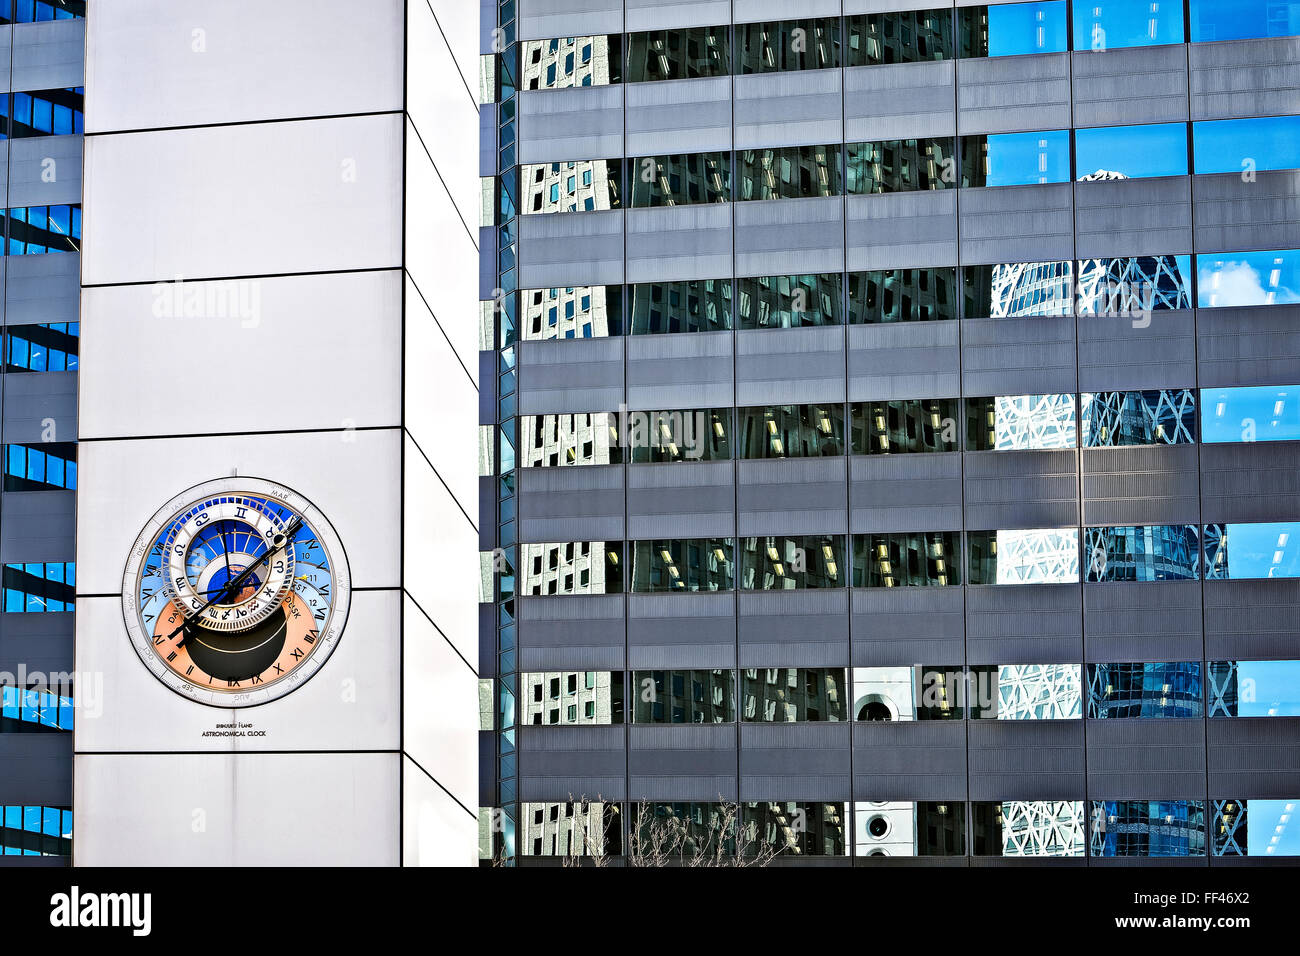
[231, 586]
[226, 550]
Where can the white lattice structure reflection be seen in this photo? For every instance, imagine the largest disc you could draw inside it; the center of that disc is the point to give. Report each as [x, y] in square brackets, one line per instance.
[1034, 421]
[1042, 828]
[1039, 692]
[1038, 557]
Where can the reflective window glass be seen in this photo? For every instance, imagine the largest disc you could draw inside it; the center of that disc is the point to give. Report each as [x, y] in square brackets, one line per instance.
[902, 295]
[572, 697]
[701, 434]
[910, 36]
[41, 11]
[791, 431]
[702, 305]
[571, 61]
[1255, 828]
[557, 441]
[42, 348]
[1247, 145]
[1244, 19]
[695, 564]
[572, 567]
[1016, 159]
[1236, 552]
[35, 710]
[43, 113]
[35, 831]
[685, 179]
[1101, 25]
[36, 588]
[905, 426]
[680, 54]
[811, 44]
[923, 692]
[664, 834]
[907, 559]
[1142, 553]
[684, 697]
[791, 829]
[1020, 422]
[791, 172]
[37, 230]
[1144, 690]
[1049, 556]
[786, 563]
[1134, 286]
[1013, 29]
[1131, 152]
[581, 312]
[1029, 828]
[582, 186]
[1259, 413]
[1158, 417]
[1146, 828]
[794, 694]
[571, 830]
[891, 828]
[784, 302]
[1025, 692]
[903, 165]
[1018, 290]
[1248, 278]
[47, 466]
[1254, 688]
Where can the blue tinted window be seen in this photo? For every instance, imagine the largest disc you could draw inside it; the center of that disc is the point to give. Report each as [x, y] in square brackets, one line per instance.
[1254, 688]
[1244, 19]
[40, 467]
[36, 230]
[1265, 413]
[1111, 24]
[1159, 690]
[36, 588]
[1016, 159]
[1246, 145]
[1132, 151]
[1013, 29]
[42, 348]
[1141, 828]
[1252, 551]
[1248, 278]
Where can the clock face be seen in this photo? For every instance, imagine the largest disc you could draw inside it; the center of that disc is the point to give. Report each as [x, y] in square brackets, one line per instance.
[236, 592]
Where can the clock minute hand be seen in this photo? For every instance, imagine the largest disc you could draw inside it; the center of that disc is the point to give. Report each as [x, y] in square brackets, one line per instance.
[245, 574]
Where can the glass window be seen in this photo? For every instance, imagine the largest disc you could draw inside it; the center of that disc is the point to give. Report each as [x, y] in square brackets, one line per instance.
[40, 588]
[1254, 688]
[1016, 159]
[685, 179]
[1262, 413]
[1146, 828]
[694, 564]
[794, 694]
[909, 829]
[1025, 692]
[49, 466]
[1020, 423]
[35, 831]
[1255, 828]
[702, 305]
[35, 711]
[1018, 290]
[907, 559]
[1131, 152]
[1013, 29]
[561, 698]
[791, 431]
[791, 172]
[1049, 556]
[1144, 690]
[557, 441]
[567, 187]
[689, 435]
[1112, 24]
[1142, 553]
[912, 36]
[1029, 828]
[1248, 278]
[582, 312]
[663, 834]
[794, 829]
[43, 113]
[1134, 286]
[41, 11]
[923, 692]
[1158, 417]
[1236, 552]
[786, 563]
[811, 44]
[682, 54]
[904, 165]
[784, 302]
[684, 697]
[572, 567]
[1244, 19]
[902, 295]
[1247, 145]
[905, 426]
[37, 230]
[571, 61]
[571, 830]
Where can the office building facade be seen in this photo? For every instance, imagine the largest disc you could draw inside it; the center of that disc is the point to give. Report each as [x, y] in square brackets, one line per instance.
[895, 407]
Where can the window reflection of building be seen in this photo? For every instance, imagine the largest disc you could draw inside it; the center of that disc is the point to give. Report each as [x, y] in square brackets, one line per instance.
[1142, 553]
[1029, 828]
[899, 166]
[679, 54]
[571, 61]
[1047, 556]
[1021, 422]
[1154, 690]
[904, 829]
[1147, 828]
[792, 172]
[585, 185]
[573, 567]
[695, 564]
[918, 559]
[551, 441]
[789, 694]
[1157, 417]
[685, 179]
[783, 302]
[791, 431]
[573, 698]
[1026, 692]
[903, 295]
[796, 828]
[910, 36]
[787, 563]
[811, 44]
[683, 697]
[905, 426]
[572, 829]
[583, 312]
[702, 305]
[1224, 696]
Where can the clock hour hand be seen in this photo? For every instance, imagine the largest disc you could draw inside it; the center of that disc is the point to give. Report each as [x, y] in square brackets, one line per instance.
[280, 541]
